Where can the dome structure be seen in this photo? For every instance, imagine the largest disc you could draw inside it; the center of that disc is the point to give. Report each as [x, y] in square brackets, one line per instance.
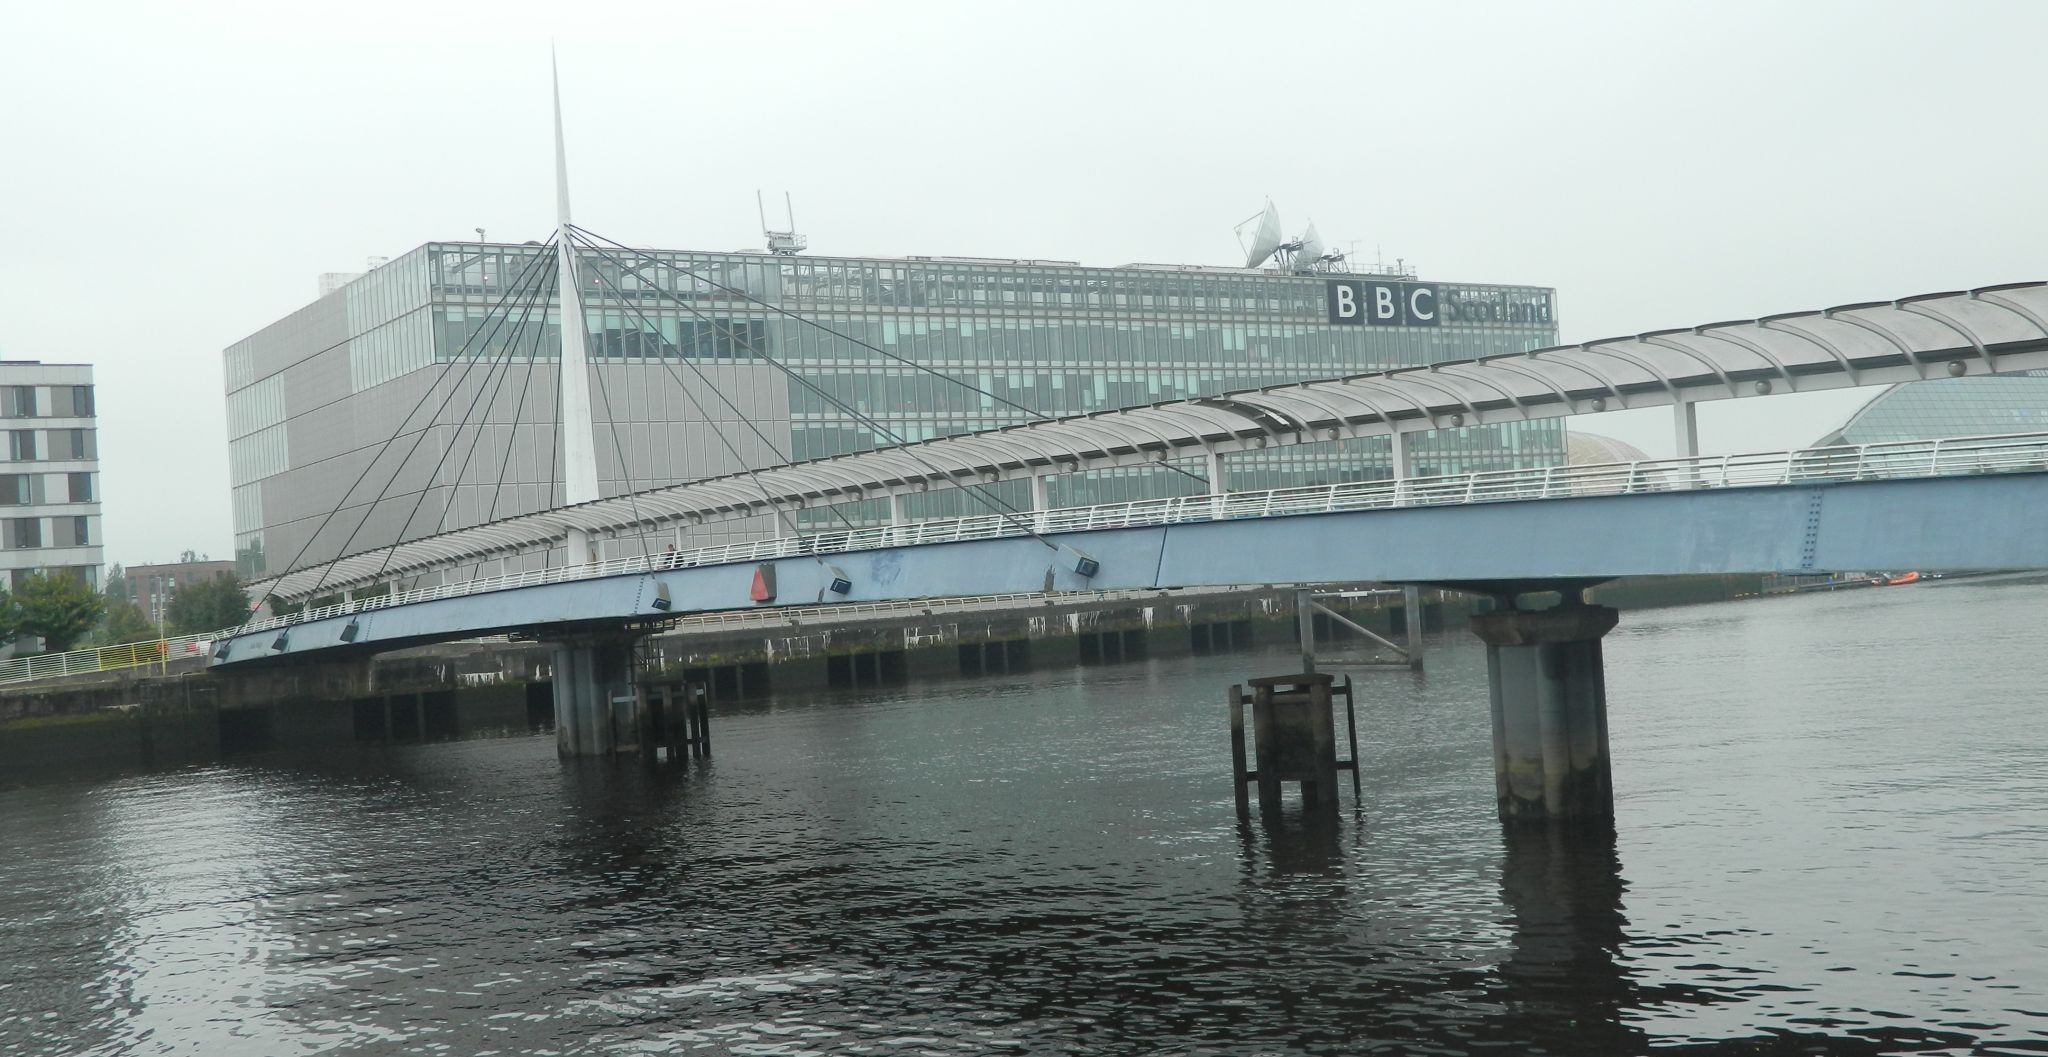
[1592, 449]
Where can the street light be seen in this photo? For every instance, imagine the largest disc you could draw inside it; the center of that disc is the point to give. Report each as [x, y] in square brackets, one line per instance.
[163, 647]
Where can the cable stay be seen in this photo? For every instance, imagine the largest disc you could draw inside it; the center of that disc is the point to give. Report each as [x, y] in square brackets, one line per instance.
[1034, 414]
[994, 503]
[740, 460]
[383, 448]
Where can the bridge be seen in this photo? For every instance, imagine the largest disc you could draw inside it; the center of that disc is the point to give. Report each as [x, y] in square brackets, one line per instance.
[570, 575]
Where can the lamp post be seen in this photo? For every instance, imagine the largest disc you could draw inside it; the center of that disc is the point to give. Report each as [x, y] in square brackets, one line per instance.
[163, 646]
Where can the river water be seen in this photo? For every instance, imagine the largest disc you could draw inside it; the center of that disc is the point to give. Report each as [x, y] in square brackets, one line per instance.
[1830, 839]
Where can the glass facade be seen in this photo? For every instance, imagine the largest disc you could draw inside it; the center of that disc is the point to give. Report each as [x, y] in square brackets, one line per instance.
[687, 383]
[1949, 407]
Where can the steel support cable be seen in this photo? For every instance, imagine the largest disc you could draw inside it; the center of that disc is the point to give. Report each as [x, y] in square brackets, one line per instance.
[748, 422]
[1001, 508]
[498, 321]
[541, 298]
[744, 420]
[625, 472]
[555, 457]
[343, 398]
[420, 435]
[519, 409]
[1035, 414]
[500, 366]
[342, 504]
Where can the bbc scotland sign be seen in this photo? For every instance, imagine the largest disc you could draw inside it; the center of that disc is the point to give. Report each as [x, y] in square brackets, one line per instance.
[1363, 302]
[1356, 302]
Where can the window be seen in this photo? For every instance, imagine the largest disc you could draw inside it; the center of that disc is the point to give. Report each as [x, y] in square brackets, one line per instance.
[71, 401]
[18, 401]
[81, 488]
[70, 531]
[16, 489]
[24, 532]
[21, 444]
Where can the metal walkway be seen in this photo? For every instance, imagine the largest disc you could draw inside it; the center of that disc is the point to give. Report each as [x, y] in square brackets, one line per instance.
[1954, 504]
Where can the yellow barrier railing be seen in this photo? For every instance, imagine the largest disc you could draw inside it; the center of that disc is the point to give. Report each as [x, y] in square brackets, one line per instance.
[104, 658]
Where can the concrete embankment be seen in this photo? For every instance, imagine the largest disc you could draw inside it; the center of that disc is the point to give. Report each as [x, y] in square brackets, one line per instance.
[184, 713]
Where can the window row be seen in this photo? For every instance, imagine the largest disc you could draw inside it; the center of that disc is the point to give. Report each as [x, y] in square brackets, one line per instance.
[30, 533]
[30, 445]
[46, 401]
[31, 489]
[88, 575]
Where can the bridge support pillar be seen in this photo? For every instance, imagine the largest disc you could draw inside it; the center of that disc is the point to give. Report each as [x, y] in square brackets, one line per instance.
[1411, 611]
[1549, 693]
[591, 675]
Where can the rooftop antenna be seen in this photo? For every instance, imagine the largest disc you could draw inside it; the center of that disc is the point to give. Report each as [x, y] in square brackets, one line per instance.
[1307, 250]
[579, 440]
[1265, 238]
[784, 243]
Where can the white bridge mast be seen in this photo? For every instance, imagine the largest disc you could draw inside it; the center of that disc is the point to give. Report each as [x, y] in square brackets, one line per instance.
[579, 433]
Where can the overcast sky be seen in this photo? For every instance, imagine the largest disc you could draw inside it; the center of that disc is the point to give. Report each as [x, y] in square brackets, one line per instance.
[175, 176]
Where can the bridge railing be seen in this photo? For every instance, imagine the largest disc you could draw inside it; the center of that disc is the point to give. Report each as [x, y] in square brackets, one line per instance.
[1948, 457]
[103, 658]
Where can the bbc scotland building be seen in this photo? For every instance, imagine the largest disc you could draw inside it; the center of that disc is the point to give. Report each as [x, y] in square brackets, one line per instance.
[683, 386]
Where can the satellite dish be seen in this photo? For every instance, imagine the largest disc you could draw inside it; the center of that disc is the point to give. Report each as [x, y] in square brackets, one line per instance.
[1311, 249]
[1265, 239]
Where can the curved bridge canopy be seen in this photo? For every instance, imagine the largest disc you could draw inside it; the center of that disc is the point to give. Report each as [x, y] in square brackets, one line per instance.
[1992, 330]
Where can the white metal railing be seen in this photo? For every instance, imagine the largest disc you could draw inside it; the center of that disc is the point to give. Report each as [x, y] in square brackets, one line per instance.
[104, 658]
[1961, 456]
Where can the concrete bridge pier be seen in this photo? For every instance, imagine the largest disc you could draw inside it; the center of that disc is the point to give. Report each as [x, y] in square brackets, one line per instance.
[1549, 694]
[591, 674]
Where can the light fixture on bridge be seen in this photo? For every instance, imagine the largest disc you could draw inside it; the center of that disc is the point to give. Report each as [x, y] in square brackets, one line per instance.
[349, 633]
[1599, 403]
[1085, 566]
[661, 599]
[841, 583]
[283, 639]
[1957, 368]
[1763, 387]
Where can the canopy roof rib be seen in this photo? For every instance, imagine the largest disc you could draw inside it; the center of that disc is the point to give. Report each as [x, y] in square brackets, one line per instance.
[1995, 329]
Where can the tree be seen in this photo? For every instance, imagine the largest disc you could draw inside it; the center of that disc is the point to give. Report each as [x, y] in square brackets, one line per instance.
[117, 583]
[208, 605]
[125, 622]
[59, 607]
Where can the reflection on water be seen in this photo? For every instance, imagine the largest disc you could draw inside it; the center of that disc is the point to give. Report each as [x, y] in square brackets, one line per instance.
[1829, 841]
